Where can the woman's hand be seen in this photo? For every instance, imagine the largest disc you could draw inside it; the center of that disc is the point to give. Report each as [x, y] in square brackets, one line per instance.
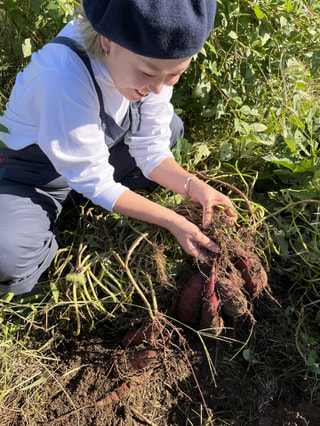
[191, 238]
[209, 197]
[187, 234]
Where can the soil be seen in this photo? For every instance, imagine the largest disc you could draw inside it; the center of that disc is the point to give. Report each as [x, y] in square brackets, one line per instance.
[173, 387]
[250, 375]
[95, 382]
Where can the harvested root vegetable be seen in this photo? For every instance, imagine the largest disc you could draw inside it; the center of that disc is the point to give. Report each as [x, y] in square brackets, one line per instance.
[253, 273]
[235, 308]
[236, 278]
[146, 333]
[215, 326]
[234, 303]
[189, 302]
[142, 358]
[211, 305]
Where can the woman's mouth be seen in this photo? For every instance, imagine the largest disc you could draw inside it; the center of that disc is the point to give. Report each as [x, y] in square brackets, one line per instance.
[143, 94]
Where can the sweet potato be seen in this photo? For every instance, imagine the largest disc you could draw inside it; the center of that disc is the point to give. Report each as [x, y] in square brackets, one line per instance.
[234, 303]
[215, 326]
[189, 302]
[141, 358]
[253, 273]
[210, 306]
[145, 333]
[236, 278]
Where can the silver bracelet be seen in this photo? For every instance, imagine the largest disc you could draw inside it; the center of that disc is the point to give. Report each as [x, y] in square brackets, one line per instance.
[186, 185]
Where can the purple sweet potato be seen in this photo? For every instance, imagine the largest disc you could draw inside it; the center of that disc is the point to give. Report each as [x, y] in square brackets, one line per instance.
[145, 333]
[189, 302]
[234, 303]
[142, 358]
[211, 305]
[236, 278]
[253, 273]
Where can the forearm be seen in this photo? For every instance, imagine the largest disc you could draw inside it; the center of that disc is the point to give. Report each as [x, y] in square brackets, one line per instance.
[171, 175]
[134, 205]
[187, 234]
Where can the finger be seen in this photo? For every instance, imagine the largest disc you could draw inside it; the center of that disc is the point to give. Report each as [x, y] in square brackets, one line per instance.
[210, 245]
[231, 213]
[206, 216]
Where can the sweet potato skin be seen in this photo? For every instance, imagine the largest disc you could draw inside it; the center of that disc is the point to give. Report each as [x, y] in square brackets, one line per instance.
[189, 302]
[234, 303]
[142, 358]
[210, 318]
[253, 273]
[210, 308]
[136, 336]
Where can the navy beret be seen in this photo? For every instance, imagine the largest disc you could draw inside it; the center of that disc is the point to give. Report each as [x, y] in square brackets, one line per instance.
[162, 29]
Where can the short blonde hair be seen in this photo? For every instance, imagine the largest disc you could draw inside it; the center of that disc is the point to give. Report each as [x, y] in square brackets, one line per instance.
[88, 35]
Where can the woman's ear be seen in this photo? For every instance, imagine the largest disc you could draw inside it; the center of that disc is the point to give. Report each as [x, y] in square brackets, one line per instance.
[105, 43]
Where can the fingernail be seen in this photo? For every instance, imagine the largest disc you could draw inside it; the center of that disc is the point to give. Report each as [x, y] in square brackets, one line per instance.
[201, 257]
[213, 247]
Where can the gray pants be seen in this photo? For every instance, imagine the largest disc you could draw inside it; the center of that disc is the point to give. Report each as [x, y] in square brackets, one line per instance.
[32, 196]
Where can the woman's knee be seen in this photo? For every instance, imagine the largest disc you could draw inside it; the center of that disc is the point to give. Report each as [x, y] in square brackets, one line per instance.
[26, 235]
[22, 253]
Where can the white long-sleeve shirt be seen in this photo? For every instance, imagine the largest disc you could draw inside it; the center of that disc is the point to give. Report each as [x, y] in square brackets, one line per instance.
[54, 104]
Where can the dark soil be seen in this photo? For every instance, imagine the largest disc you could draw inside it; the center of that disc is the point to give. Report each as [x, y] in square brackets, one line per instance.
[173, 387]
[257, 376]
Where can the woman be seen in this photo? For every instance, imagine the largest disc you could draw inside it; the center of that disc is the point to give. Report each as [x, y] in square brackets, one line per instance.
[91, 115]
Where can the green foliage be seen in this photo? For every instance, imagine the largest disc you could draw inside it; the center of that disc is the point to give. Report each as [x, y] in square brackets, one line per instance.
[25, 26]
[252, 88]
[36, 22]
[3, 129]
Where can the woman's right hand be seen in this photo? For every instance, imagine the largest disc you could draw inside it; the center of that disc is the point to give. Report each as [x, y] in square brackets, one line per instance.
[190, 237]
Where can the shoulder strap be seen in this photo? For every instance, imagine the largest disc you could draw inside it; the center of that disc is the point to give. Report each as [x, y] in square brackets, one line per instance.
[77, 48]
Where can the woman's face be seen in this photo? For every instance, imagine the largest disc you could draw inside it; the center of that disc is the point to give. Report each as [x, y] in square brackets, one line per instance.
[137, 76]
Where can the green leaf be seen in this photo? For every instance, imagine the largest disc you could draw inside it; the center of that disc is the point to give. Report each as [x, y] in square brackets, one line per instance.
[233, 35]
[27, 47]
[245, 109]
[3, 129]
[280, 239]
[183, 147]
[226, 151]
[55, 292]
[202, 153]
[315, 62]
[209, 112]
[220, 110]
[37, 382]
[249, 356]
[258, 12]
[242, 127]
[36, 5]
[258, 127]
[289, 6]
[279, 159]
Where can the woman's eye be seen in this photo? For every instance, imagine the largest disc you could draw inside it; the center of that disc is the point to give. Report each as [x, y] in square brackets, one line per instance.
[148, 75]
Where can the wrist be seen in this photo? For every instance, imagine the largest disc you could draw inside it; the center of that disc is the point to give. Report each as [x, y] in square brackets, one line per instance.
[186, 185]
[189, 185]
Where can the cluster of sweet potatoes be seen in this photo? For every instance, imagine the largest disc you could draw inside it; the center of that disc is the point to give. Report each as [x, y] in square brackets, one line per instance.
[227, 283]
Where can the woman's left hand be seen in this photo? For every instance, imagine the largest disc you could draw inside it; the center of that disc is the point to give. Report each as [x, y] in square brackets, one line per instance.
[208, 197]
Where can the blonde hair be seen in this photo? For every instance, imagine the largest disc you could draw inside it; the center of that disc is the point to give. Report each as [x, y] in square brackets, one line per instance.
[88, 35]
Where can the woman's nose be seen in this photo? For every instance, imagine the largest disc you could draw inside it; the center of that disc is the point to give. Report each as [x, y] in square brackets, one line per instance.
[156, 87]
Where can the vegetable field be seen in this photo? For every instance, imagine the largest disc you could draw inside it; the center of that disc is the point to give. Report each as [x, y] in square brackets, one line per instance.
[105, 337]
